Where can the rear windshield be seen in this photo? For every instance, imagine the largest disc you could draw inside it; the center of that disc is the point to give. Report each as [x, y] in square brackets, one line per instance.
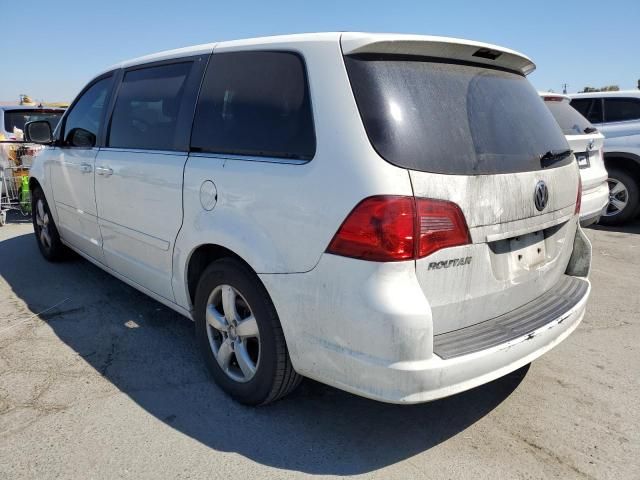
[449, 118]
[17, 118]
[570, 120]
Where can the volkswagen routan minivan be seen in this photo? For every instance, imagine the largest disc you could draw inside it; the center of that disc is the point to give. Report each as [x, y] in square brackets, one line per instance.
[393, 215]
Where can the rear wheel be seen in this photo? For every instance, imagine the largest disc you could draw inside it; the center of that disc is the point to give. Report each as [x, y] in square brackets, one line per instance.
[240, 335]
[624, 198]
[45, 228]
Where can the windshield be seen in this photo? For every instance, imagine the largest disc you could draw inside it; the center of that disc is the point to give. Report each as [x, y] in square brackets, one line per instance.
[17, 118]
[452, 118]
[570, 120]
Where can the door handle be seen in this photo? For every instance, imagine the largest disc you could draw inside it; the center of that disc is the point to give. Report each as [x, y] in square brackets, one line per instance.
[104, 171]
[86, 168]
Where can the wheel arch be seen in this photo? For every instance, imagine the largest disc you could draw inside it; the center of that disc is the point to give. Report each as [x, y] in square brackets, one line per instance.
[624, 161]
[200, 258]
[33, 184]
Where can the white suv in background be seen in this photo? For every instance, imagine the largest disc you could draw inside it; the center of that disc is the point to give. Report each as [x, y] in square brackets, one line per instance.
[586, 143]
[393, 215]
[617, 117]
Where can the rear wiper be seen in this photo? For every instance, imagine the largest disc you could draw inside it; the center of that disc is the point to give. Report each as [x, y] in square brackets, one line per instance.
[590, 130]
[553, 156]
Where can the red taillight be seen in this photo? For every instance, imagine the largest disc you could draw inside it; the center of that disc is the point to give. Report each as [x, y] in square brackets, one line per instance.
[579, 199]
[552, 98]
[385, 228]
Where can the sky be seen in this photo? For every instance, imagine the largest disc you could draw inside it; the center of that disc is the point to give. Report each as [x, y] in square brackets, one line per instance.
[50, 49]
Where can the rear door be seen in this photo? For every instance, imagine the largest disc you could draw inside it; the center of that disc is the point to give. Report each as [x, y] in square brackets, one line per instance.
[139, 172]
[622, 119]
[482, 138]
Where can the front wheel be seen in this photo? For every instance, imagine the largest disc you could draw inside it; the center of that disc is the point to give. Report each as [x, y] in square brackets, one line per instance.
[624, 198]
[45, 228]
[240, 335]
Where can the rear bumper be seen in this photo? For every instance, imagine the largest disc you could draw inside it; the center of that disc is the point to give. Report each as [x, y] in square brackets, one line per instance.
[370, 332]
[594, 201]
[423, 381]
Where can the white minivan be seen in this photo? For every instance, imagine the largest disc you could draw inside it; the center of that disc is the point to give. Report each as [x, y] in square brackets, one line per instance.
[393, 215]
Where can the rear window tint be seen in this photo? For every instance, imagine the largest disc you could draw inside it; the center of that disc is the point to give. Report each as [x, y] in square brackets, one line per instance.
[257, 104]
[452, 118]
[621, 109]
[17, 118]
[146, 112]
[570, 120]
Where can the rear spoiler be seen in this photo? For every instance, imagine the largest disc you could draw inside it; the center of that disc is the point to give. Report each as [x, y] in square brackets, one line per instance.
[437, 47]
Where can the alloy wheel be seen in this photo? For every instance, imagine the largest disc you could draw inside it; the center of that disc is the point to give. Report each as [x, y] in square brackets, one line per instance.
[233, 333]
[618, 197]
[42, 222]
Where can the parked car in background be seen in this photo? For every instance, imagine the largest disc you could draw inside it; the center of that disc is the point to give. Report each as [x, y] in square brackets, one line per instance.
[586, 143]
[393, 215]
[14, 117]
[617, 117]
[12, 121]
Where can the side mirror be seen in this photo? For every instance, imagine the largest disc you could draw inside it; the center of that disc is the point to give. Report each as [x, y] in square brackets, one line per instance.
[79, 137]
[38, 131]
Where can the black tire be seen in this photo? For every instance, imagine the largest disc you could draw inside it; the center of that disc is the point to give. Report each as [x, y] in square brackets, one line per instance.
[274, 375]
[54, 251]
[633, 200]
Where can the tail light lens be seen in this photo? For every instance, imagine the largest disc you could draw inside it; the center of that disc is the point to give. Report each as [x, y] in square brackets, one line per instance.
[440, 224]
[393, 228]
[579, 199]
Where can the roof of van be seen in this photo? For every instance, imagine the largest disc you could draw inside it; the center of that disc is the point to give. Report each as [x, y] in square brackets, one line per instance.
[355, 42]
[619, 93]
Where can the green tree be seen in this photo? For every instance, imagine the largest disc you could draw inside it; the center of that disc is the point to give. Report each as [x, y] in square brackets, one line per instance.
[607, 88]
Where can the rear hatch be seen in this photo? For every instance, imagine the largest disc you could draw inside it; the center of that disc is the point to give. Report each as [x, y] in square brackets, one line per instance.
[583, 138]
[470, 129]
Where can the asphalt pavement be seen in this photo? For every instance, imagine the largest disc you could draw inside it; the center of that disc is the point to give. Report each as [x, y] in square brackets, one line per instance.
[99, 381]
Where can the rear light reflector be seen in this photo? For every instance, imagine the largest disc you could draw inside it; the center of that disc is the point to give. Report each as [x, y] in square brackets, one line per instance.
[441, 224]
[579, 199]
[390, 228]
[549, 98]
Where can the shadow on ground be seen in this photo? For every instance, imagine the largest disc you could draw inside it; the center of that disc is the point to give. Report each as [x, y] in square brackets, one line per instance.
[150, 354]
[629, 227]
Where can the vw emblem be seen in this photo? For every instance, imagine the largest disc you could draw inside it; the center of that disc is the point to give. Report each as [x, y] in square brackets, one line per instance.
[541, 195]
[591, 145]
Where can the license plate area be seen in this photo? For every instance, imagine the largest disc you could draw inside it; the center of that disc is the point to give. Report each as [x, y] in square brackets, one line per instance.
[583, 159]
[527, 251]
[515, 257]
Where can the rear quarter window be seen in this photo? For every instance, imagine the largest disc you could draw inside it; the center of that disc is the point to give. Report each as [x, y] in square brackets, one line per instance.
[451, 118]
[255, 104]
[590, 108]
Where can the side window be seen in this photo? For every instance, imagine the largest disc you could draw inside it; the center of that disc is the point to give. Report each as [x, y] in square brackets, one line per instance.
[146, 111]
[582, 105]
[257, 104]
[621, 109]
[590, 108]
[85, 118]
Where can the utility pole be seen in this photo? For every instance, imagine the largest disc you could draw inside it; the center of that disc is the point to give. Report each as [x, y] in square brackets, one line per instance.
[564, 88]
